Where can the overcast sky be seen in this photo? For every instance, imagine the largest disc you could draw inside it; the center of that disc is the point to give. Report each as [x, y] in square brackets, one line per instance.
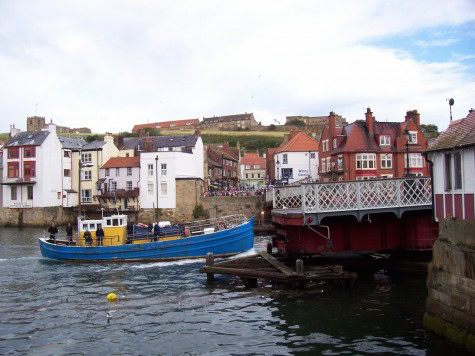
[109, 65]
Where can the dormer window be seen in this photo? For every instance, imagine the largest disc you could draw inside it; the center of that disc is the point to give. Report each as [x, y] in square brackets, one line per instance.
[412, 137]
[384, 140]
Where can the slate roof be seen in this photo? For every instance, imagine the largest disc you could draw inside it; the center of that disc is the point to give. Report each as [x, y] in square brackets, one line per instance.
[122, 162]
[94, 145]
[33, 138]
[167, 124]
[301, 142]
[228, 118]
[160, 142]
[72, 143]
[459, 133]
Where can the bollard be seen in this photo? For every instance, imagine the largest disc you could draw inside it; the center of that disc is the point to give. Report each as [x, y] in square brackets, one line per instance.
[209, 263]
[299, 267]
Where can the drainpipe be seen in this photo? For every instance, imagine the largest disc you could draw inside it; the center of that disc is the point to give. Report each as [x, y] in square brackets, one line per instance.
[434, 219]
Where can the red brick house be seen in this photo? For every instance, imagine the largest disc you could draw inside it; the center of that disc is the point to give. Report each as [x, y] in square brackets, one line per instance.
[370, 149]
[219, 160]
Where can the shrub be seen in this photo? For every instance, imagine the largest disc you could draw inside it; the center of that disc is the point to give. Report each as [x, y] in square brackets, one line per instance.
[200, 212]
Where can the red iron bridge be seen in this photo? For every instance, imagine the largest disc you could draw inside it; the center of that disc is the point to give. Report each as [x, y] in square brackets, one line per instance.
[369, 215]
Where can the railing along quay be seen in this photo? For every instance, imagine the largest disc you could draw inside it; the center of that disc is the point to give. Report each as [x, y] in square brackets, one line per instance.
[367, 195]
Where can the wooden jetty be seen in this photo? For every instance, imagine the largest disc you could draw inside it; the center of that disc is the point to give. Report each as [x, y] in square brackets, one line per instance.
[276, 269]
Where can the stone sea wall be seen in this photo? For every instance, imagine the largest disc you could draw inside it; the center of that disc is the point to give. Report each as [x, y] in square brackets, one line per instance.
[450, 307]
[36, 216]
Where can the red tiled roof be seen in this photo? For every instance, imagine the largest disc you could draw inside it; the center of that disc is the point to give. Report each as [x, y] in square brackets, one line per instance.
[167, 124]
[300, 142]
[122, 162]
[252, 159]
[459, 133]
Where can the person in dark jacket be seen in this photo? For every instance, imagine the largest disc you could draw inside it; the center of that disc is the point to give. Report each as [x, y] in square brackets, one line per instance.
[69, 234]
[53, 230]
[87, 237]
[99, 236]
[156, 231]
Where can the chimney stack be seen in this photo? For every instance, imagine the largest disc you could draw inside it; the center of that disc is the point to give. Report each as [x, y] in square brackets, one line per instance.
[120, 141]
[415, 116]
[148, 144]
[369, 120]
[331, 124]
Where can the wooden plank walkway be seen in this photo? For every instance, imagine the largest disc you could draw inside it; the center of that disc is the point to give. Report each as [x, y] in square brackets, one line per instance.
[267, 267]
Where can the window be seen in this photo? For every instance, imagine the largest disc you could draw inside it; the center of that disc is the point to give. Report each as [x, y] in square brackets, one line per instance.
[248, 166]
[129, 171]
[67, 153]
[163, 171]
[252, 175]
[324, 169]
[113, 186]
[86, 195]
[384, 140]
[163, 188]
[340, 179]
[386, 161]
[13, 152]
[13, 170]
[365, 161]
[312, 155]
[458, 170]
[258, 175]
[67, 173]
[325, 145]
[150, 170]
[335, 141]
[117, 172]
[107, 172]
[129, 185]
[284, 158]
[29, 191]
[150, 188]
[13, 193]
[448, 171]
[287, 173]
[86, 175]
[29, 151]
[29, 169]
[126, 155]
[340, 163]
[86, 157]
[412, 137]
[257, 166]
[247, 175]
[328, 164]
[415, 160]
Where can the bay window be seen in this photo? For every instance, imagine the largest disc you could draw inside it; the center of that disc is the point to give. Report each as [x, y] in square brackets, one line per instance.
[366, 161]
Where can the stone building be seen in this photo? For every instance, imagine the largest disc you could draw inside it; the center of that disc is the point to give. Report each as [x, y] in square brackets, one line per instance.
[189, 124]
[450, 306]
[35, 123]
[315, 120]
[229, 122]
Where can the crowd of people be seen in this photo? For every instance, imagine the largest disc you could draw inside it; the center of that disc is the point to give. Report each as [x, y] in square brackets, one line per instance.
[236, 192]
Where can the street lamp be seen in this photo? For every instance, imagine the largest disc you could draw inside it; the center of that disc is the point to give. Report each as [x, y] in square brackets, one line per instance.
[222, 171]
[407, 135]
[278, 168]
[156, 183]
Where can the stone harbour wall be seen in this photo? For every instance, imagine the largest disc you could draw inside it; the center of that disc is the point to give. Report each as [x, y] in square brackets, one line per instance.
[450, 306]
[36, 216]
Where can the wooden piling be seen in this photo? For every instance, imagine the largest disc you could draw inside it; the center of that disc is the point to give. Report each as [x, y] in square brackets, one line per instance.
[210, 263]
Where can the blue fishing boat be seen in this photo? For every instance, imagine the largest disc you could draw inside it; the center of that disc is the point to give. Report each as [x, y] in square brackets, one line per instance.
[225, 236]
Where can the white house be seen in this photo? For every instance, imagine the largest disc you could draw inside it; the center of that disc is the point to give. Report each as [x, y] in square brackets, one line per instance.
[119, 183]
[297, 159]
[69, 144]
[32, 175]
[164, 160]
[453, 156]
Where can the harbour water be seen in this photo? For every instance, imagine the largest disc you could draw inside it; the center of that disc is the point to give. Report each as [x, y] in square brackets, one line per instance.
[49, 307]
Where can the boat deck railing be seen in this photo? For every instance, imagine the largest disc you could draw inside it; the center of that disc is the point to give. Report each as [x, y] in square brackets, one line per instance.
[63, 239]
[217, 224]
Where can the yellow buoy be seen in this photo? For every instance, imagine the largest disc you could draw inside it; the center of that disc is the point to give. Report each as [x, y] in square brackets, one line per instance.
[111, 297]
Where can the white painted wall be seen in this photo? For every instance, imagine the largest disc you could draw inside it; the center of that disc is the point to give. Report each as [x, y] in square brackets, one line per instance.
[122, 179]
[179, 165]
[301, 163]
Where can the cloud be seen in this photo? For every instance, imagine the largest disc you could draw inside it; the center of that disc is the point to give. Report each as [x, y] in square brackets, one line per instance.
[109, 65]
[436, 43]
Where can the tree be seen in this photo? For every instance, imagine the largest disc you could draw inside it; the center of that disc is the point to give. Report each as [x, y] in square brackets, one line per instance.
[271, 127]
[295, 122]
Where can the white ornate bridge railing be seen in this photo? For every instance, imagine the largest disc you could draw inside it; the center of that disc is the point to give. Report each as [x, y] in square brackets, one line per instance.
[354, 195]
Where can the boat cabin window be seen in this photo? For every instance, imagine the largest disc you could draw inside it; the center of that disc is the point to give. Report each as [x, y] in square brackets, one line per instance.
[92, 227]
[108, 222]
[115, 222]
[84, 227]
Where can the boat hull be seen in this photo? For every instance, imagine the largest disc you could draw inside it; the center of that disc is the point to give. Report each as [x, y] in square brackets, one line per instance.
[222, 243]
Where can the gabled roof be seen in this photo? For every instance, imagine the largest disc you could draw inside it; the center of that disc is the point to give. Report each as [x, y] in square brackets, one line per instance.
[28, 138]
[94, 145]
[301, 142]
[122, 162]
[160, 142]
[72, 143]
[459, 133]
[167, 124]
[253, 159]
